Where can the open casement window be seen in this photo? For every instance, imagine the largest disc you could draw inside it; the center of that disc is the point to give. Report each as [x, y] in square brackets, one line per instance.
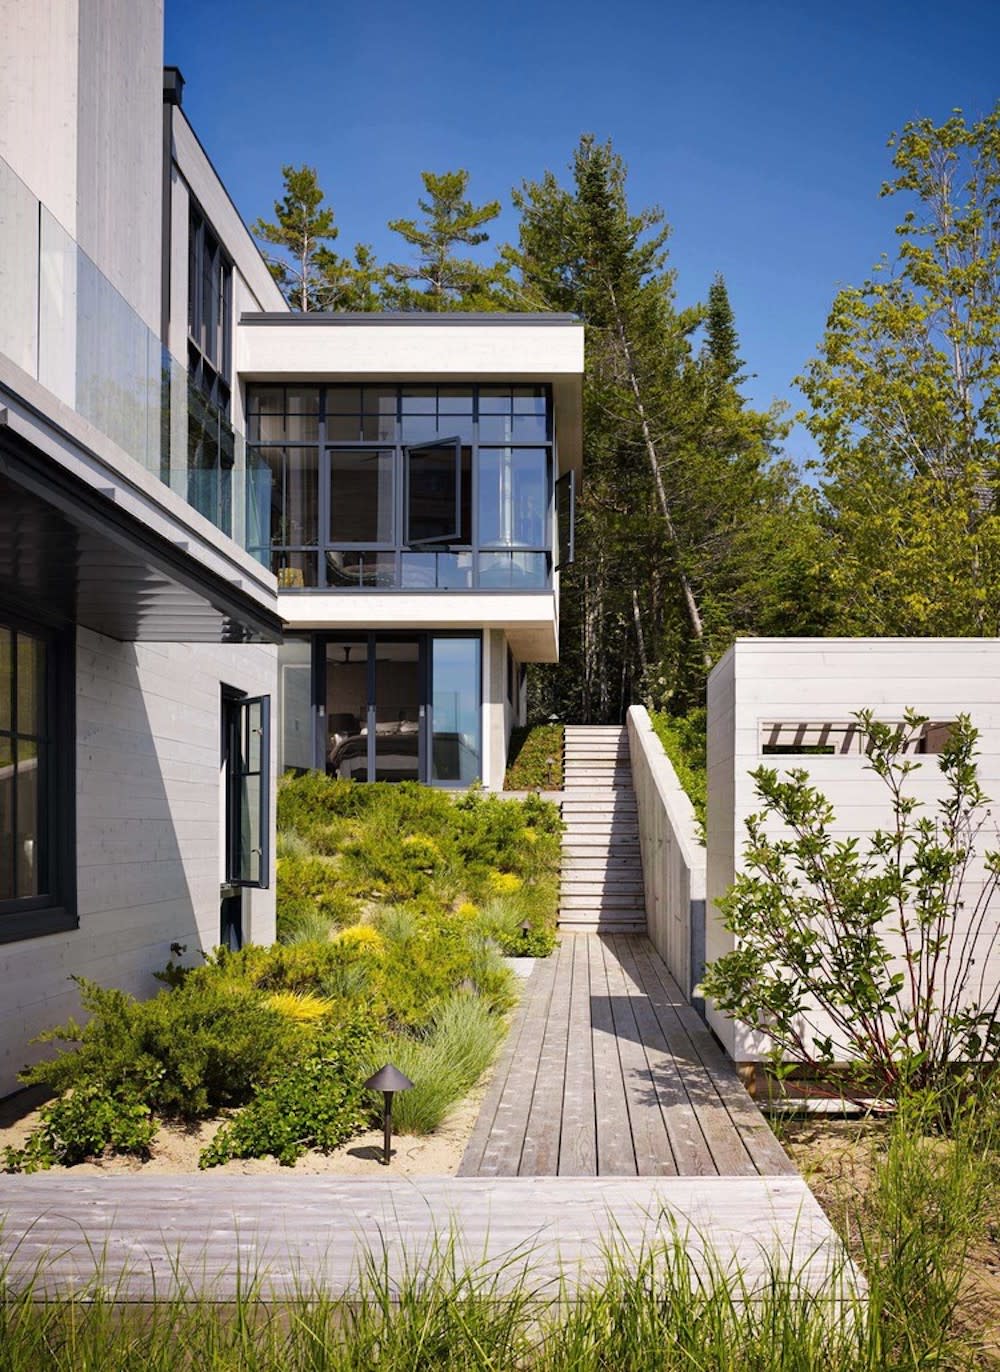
[566, 520]
[433, 492]
[247, 809]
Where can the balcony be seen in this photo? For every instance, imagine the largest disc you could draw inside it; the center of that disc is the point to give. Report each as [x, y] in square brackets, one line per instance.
[64, 324]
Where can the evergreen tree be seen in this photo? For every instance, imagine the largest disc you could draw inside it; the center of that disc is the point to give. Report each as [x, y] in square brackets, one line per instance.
[682, 479]
[311, 275]
[296, 237]
[441, 278]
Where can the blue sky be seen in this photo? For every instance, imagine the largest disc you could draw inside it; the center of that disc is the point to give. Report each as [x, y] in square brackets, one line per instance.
[759, 127]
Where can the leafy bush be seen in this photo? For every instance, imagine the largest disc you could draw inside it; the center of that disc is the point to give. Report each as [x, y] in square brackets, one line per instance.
[684, 742]
[535, 758]
[186, 1052]
[317, 1103]
[85, 1123]
[811, 915]
[387, 845]
[443, 1063]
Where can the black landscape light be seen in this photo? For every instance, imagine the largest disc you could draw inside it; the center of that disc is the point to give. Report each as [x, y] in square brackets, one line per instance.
[388, 1080]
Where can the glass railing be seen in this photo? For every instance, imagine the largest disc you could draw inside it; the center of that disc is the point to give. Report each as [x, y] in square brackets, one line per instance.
[65, 324]
[312, 569]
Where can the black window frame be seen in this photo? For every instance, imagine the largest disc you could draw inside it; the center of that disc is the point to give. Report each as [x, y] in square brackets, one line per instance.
[55, 910]
[210, 319]
[236, 708]
[462, 564]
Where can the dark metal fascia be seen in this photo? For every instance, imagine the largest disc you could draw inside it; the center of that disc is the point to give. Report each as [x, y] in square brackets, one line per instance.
[443, 318]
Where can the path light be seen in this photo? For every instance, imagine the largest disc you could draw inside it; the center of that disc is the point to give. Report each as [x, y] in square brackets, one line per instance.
[388, 1080]
[525, 930]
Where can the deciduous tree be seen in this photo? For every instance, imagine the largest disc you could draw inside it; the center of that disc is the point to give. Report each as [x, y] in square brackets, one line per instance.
[905, 398]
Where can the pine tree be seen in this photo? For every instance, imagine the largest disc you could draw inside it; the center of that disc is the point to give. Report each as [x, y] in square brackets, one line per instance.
[440, 279]
[312, 276]
[691, 529]
[301, 227]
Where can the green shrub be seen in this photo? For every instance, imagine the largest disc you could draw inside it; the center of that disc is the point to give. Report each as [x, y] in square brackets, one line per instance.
[443, 1063]
[186, 1052]
[310, 886]
[428, 959]
[317, 1103]
[85, 1123]
[535, 758]
[684, 742]
[502, 919]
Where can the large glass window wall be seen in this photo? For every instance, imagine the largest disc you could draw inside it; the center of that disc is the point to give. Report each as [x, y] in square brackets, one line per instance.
[402, 487]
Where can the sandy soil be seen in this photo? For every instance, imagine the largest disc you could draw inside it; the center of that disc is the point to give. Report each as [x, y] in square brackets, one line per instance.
[175, 1150]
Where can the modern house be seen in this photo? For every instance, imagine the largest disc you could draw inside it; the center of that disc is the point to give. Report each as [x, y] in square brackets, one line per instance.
[415, 478]
[190, 476]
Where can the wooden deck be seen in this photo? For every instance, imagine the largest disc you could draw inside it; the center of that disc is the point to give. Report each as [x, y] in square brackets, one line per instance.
[609, 1072]
[147, 1238]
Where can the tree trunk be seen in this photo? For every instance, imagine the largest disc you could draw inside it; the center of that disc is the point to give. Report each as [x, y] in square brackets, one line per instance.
[690, 603]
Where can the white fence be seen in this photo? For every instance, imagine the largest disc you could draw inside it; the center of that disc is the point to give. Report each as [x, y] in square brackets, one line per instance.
[673, 856]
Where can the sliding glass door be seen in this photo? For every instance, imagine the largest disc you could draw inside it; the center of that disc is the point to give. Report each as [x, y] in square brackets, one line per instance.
[400, 707]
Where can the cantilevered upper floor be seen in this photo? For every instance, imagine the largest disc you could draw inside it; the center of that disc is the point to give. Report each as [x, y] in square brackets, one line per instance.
[393, 457]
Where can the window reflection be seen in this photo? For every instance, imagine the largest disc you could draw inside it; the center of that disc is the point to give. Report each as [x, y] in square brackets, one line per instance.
[455, 691]
[513, 497]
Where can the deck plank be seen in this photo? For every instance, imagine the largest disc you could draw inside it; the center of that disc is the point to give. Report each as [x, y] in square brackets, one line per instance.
[615, 1145]
[653, 1154]
[578, 1136]
[540, 1150]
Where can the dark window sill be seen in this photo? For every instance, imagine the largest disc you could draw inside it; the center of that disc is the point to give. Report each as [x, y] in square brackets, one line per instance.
[24, 924]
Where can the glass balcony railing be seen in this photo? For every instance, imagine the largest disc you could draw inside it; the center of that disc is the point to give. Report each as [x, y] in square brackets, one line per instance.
[65, 324]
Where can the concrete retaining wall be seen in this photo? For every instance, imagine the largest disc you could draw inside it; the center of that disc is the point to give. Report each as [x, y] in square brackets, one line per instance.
[673, 856]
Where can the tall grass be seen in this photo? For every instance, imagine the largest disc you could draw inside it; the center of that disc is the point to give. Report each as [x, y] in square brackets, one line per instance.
[665, 1308]
[443, 1063]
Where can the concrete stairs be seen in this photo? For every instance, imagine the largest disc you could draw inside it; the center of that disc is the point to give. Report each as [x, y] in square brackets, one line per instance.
[601, 888]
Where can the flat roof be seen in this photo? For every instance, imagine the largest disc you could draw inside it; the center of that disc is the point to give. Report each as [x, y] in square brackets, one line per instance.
[416, 317]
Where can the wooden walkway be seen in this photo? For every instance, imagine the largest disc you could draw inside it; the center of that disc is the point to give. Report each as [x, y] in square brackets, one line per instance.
[609, 1072]
[613, 1121]
[151, 1238]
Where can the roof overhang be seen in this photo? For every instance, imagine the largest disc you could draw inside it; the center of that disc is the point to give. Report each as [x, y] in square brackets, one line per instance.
[529, 618]
[450, 346]
[69, 552]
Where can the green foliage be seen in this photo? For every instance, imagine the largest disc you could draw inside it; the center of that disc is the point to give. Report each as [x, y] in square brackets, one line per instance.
[87, 1122]
[440, 279]
[443, 1063]
[317, 1103]
[905, 401]
[311, 275]
[535, 758]
[186, 1052]
[814, 968]
[690, 528]
[684, 742]
[390, 845]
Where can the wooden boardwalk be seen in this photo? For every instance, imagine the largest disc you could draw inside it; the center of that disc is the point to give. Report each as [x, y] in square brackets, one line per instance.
[609, 1072]
[146, 1238]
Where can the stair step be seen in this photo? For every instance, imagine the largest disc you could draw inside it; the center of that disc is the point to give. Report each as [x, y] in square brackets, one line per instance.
[604, 902]
[617, 927]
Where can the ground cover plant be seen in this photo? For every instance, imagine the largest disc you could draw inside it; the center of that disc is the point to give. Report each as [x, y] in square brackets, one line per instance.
[535, 759]
[684, 742]
[396, 907]
[349, 852]
[886, 940]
